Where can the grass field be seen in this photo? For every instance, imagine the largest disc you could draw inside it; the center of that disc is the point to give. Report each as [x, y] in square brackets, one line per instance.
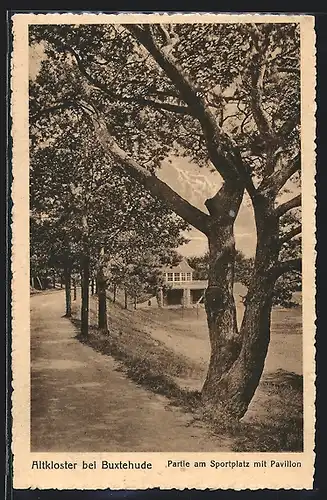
[167, 350]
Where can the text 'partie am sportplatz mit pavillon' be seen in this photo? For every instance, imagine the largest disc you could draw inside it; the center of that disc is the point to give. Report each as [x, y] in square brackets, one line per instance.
[171, 464]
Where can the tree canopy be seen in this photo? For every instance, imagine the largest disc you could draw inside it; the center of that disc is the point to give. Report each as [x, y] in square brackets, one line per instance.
[224, 95]
[78, 198]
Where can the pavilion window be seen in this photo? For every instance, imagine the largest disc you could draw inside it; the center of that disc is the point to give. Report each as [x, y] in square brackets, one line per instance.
[170, 276]
[189, 277]
[183, 276]
[177, 277]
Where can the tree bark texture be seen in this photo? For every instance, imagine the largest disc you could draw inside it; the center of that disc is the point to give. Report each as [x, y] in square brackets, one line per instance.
[85, 275]
[220, 307]
[237, 385]
[68, 297]
[74, 289]
[102, 301]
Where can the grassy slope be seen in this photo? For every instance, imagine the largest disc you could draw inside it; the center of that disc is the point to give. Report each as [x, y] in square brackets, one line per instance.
[167, 350]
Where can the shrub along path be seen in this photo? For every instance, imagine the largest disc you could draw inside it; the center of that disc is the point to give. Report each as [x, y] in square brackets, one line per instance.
[82, 402]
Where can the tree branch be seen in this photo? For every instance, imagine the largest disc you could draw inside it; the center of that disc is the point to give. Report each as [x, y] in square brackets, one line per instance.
[153, 184]
[290, 234]
[222, 151]
[96, 84]
[226, 202]
[256, 74]
[161, 106]
[288, 126]
[274, 182]
[288, 205]
[287, 266]
[264, 127]
[51, 109]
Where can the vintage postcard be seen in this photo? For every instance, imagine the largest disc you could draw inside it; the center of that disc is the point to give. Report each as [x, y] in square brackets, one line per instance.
[163, 251]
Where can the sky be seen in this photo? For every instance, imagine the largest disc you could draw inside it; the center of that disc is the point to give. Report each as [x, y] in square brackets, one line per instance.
[196, 184]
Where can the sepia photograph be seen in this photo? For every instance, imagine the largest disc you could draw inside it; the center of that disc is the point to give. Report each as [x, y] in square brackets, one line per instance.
[166, 240]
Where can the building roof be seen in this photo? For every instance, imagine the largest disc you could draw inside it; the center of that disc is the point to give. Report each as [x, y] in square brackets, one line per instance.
[182, 267]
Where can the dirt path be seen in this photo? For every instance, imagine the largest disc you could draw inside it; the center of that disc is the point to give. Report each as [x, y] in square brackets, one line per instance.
[81, 403]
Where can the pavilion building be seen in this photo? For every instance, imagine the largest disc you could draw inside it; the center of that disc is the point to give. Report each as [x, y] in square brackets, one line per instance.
[181, 289]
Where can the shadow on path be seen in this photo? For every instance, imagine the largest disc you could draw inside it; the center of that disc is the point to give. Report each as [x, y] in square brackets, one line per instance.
[82, 402]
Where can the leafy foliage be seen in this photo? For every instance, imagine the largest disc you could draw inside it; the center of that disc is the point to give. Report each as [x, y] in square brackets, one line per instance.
[80, 203]
[106, 65]
[228, 97]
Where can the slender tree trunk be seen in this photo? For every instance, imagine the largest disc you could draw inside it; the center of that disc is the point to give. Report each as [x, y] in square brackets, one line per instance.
[54, 280]
[160, 297]
[135, 302]
[85, 275]
[92, 286]
[114, 293]
[39, 282]
[74, 289]
[102, 301]
[67, 278]
[126, 299]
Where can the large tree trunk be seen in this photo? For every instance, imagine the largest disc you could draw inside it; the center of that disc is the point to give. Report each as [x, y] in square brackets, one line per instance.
[102, 301]
[220, 308]
[237, 385]
[85, 275]
[126, 298]
[67, 278]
